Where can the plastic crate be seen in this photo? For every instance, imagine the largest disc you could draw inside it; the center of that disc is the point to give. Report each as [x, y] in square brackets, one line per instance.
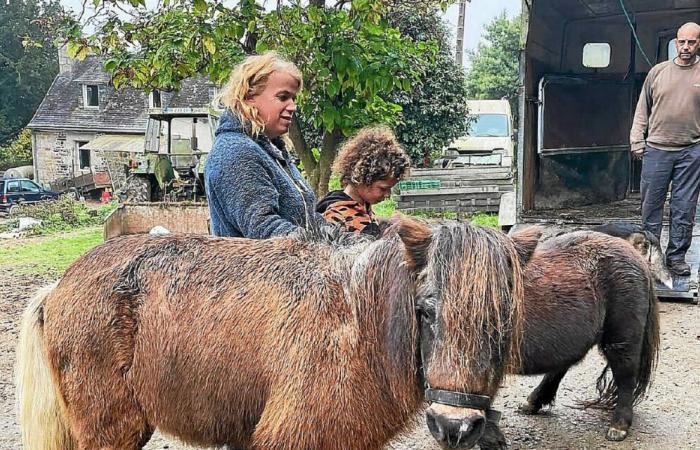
[419, 184]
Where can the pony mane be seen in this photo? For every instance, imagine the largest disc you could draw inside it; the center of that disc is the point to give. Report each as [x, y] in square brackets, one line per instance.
[381, 287]
[331, 235]
[478, 274]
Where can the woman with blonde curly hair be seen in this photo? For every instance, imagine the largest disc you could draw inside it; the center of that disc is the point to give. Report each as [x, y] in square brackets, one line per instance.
[253, 188]
[369, 165]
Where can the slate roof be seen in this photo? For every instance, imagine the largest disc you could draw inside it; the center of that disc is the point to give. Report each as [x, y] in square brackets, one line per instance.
[191, 94]
[124, 110]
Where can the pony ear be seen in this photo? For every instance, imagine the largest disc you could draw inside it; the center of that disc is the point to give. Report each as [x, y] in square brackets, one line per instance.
[637, 240]
[525, 242]
[416, 237]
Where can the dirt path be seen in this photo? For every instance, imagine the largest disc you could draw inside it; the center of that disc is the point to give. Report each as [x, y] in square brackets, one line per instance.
[667, 419]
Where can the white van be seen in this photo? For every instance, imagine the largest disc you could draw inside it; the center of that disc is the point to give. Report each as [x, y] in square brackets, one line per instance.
[489, 141]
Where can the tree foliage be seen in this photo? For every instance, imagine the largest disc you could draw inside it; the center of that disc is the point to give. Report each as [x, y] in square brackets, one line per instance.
[28, 62]
[495, 62]
[434, 111]
[351, 58]
[17, 151]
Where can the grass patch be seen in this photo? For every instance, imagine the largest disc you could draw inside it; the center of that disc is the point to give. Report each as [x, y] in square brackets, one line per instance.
[485, 220]
[48, 255]
[387, 208]
[63, 214]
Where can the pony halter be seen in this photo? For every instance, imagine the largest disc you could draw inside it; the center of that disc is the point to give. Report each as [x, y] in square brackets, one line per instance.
[459, 399]
[453, 398]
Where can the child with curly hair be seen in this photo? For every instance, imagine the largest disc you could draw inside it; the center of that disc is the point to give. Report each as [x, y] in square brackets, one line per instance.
[369, 165]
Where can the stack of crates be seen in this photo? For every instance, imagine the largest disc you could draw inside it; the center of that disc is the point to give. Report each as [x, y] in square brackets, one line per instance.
[409, 185]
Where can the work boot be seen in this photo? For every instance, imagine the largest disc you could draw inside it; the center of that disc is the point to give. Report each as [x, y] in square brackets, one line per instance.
[679, 267]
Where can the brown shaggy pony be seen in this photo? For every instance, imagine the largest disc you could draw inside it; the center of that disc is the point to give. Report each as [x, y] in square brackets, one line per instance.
[585, 289]
[288, 343]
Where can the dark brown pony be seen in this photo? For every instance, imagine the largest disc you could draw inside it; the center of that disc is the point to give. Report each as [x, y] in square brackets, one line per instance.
[585, 289]
[288, 343]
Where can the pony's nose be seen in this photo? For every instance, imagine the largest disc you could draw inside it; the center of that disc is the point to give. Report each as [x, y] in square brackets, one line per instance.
[455, 433]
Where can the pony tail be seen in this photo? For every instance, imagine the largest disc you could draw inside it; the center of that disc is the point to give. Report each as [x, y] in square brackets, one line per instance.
[607, 392]
[650, 350]
[41, 416]
[606, 386]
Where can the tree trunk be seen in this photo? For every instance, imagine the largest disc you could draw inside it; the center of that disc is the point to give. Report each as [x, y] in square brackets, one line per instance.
[329, 147]
[303, 151]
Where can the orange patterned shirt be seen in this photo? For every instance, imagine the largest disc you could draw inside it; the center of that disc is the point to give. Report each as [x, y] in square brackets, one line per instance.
[340, 209]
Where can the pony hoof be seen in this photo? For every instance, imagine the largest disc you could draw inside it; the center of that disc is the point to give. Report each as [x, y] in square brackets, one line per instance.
[616, 435]
[528, 409]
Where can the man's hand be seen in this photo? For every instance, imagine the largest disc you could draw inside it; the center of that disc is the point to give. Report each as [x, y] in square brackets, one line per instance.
[637, 154]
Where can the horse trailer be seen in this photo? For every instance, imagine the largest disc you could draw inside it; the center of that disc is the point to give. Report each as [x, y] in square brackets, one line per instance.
[581, 70]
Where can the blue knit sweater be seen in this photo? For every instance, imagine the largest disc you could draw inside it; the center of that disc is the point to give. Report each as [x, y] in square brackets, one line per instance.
[253, 188]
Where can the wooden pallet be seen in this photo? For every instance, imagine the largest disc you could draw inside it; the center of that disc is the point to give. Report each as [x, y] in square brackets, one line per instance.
[464, 190]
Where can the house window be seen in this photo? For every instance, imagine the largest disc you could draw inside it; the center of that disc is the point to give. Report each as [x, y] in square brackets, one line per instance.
[83, 155]
[154, 99]
[596, 55]
[213, 93]
[91, 95]
[672, 49]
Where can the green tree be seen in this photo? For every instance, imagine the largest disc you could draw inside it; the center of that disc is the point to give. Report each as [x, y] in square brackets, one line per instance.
[17, 151]
[28, 61]
[495, 63]
[434, 111]
[351, 58]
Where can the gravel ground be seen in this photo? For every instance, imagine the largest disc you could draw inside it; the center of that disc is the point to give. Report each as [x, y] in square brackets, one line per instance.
[667, 419]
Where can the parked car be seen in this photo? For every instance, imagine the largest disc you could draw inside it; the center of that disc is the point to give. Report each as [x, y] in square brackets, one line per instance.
[14, 191]
[489, 141]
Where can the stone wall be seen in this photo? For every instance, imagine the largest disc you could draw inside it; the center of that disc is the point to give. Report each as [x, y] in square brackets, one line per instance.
[57, 156]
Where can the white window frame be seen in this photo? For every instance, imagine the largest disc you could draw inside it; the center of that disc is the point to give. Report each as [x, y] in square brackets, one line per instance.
[151, 102]
[85, 97]
[594, 53]
[78, 150]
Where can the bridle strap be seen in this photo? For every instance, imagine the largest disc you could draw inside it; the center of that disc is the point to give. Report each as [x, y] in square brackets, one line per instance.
[458, 399]
[453, 398]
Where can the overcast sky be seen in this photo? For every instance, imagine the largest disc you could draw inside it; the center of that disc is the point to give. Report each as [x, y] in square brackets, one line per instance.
[479, 12]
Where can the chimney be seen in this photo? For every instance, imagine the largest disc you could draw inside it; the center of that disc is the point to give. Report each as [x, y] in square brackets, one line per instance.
[65, 62]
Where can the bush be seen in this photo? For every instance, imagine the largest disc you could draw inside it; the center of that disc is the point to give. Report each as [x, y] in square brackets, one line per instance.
[17, 152]
[8, 225]
[63, 214]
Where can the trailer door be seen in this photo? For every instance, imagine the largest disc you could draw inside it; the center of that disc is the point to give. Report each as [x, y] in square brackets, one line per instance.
[583, 115]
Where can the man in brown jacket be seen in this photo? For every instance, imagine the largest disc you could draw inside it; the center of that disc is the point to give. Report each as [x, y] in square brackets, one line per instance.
[666, 133]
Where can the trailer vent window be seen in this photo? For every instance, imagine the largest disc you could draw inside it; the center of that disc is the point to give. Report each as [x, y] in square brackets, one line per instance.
[672, 49]
[596, 55]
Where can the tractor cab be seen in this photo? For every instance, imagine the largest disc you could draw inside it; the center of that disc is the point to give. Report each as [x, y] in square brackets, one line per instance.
[177, 143]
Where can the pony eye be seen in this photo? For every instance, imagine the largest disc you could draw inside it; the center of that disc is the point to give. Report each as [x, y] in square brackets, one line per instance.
[425, 306]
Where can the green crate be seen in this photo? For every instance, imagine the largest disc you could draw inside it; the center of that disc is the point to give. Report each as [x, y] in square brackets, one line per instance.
[407, 185]
[419, 184]
[430, 184]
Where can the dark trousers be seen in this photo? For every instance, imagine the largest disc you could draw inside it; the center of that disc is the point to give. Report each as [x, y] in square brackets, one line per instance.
[681, 169]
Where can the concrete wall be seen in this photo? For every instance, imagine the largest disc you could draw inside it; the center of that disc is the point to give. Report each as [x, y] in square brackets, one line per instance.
[141, 218]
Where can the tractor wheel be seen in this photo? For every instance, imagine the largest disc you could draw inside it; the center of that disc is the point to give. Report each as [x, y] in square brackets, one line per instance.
[137, 189]
[73, 194]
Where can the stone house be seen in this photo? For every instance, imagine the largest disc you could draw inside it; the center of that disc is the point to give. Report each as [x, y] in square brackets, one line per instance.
[84, 125]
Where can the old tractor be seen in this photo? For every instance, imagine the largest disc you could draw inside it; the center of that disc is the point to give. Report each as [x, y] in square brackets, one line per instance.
[171, 168]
